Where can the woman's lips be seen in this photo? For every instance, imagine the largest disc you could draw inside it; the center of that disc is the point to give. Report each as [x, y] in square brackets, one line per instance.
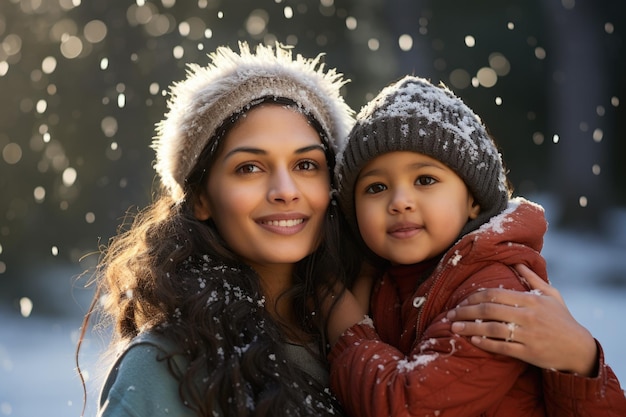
[284, 224]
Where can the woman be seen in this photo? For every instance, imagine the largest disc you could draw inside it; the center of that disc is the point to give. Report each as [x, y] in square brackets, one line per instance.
[210, 289]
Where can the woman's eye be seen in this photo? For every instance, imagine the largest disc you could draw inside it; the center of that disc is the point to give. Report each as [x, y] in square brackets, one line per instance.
[307, 165]
[375, 188]
[425, 180]
[247, 169]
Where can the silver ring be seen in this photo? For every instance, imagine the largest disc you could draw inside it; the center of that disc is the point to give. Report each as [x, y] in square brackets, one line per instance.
[511, 327]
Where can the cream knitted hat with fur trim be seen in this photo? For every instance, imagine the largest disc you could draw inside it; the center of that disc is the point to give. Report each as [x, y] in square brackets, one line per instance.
[209, 95]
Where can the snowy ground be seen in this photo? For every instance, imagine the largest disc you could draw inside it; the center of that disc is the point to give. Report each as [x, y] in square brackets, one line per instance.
[37, 369]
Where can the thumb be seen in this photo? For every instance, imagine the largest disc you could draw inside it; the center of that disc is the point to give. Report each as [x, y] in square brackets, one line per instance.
[534, 280]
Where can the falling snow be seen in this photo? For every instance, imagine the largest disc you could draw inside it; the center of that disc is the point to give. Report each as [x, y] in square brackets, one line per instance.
[84, 86]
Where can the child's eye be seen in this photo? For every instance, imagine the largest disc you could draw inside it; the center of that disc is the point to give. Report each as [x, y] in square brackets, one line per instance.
[425, 180]
[375, 188]
[307, 165]
[248, 169]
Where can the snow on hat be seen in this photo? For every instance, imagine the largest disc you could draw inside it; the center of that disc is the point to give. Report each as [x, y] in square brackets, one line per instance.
[231, 83]
[414, 115]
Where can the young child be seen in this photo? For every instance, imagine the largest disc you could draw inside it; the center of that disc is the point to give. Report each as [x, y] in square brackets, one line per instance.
[423, 183]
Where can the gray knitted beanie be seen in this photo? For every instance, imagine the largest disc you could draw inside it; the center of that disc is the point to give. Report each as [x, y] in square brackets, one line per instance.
[414, 115]
[209, 95]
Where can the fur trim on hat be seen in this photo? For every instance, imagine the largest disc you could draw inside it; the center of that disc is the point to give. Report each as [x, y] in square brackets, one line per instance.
[210, 94]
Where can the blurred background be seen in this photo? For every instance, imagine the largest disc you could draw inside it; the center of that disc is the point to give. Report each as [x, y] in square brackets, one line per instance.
[84, 82]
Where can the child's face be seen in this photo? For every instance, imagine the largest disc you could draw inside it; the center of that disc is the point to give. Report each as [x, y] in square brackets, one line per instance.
[269, 187]
[411, 207]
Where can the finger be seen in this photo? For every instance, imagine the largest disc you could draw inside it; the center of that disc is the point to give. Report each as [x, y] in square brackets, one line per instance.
[482, 311]
[536, 282]
[498, 296]
[492, 330]
[532, 278]
[485, 311]
[481, 329]
[512, 349]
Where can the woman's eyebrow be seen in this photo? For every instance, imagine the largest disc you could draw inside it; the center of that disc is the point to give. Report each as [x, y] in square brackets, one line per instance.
[245, 149]
[259, 151]
[317, 146]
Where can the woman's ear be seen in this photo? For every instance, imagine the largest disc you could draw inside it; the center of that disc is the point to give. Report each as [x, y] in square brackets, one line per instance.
[473, 208]
[201, 207]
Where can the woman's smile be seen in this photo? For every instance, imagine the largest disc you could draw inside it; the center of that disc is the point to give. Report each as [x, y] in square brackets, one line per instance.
[283, 224]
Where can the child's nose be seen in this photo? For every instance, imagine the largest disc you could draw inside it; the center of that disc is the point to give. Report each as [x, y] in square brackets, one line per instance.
[401, 202]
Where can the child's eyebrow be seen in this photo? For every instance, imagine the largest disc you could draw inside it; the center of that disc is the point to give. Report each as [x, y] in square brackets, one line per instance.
[380, 171]
[371, 173]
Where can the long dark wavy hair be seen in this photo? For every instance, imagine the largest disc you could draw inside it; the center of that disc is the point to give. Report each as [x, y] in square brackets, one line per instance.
[173, 275]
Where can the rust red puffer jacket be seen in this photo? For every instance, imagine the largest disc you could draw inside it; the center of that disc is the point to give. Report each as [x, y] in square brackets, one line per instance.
[423, 369]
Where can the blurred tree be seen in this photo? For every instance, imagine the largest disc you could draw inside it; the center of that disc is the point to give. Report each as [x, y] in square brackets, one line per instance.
[83, 84]
[584, 69]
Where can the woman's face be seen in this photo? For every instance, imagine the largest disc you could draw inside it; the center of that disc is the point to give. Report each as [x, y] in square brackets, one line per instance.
[268, 187]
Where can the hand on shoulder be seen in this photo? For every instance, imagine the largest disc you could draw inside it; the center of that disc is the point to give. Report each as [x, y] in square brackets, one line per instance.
[534, 326]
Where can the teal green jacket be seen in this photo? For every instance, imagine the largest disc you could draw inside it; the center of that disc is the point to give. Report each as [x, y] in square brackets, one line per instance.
[141, 385]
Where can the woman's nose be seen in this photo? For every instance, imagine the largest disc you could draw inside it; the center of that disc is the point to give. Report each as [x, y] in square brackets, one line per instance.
[283, 188]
